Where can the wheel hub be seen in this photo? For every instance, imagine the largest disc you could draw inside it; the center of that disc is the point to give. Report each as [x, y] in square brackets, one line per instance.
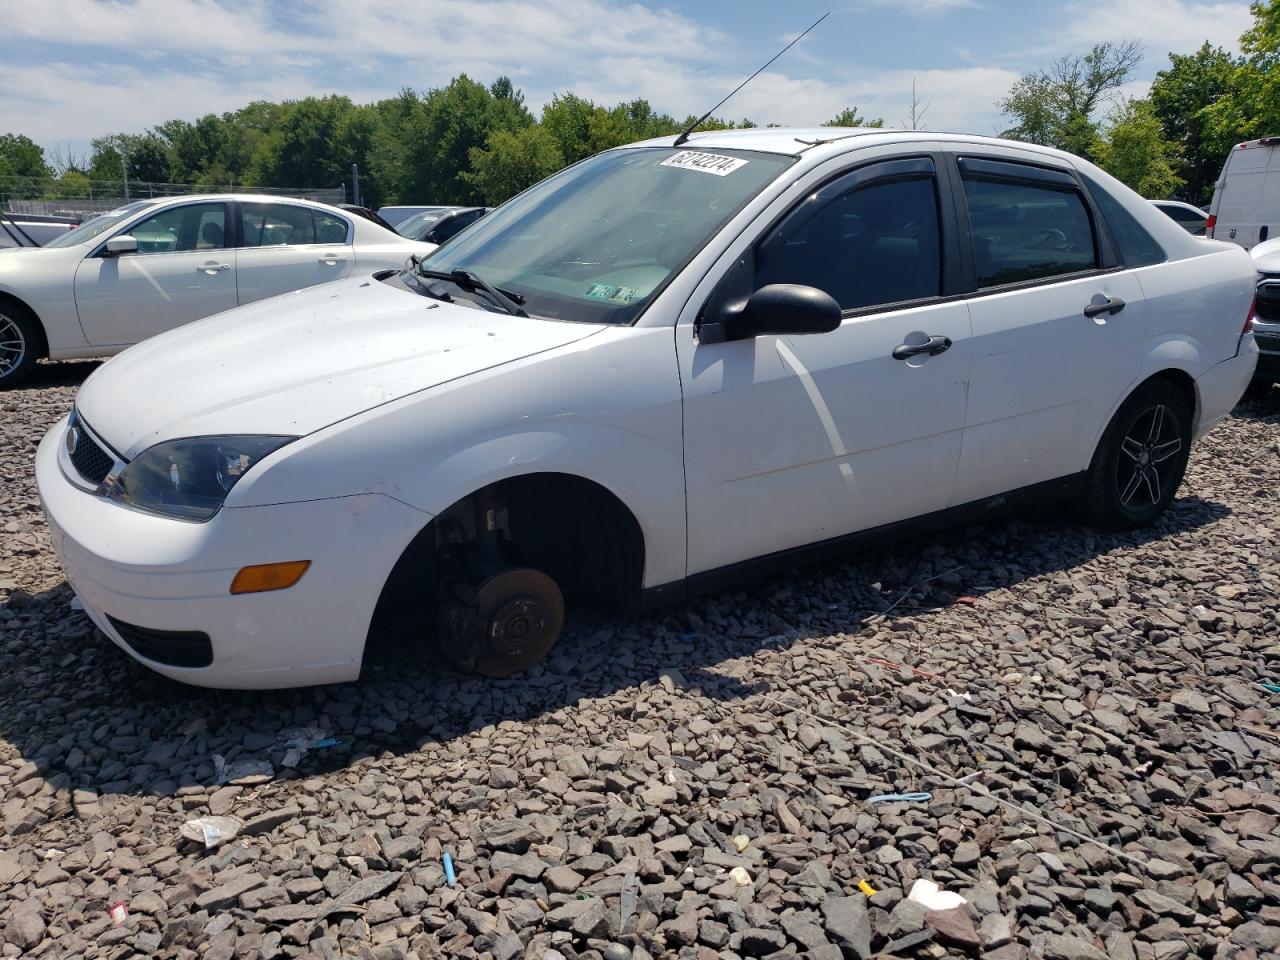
[514, 624]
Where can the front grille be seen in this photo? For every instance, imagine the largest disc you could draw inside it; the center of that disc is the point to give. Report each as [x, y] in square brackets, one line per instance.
[1269, 302]
[90, 460]
[175, 648]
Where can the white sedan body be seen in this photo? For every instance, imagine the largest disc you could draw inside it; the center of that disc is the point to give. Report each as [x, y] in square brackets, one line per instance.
[724, 453]
[197, 256]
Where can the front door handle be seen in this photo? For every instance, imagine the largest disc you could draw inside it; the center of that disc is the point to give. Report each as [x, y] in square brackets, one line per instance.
[212, 267]
[1111, 305]
[931, 347]
[331, 260]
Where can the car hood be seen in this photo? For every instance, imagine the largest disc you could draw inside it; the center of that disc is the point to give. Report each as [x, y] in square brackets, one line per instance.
[1266, 256]
[295, 363]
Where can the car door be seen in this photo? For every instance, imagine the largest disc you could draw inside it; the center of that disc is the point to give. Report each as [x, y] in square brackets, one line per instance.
[288, 246]
[184, 269]
[791, 440]
[1058, 327]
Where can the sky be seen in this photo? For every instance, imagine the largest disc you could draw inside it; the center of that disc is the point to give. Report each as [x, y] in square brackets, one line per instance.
[71, 70]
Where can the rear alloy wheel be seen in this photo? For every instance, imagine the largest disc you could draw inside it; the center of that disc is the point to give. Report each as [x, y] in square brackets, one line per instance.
[17, 345]
[1140, 462]
[514, 619]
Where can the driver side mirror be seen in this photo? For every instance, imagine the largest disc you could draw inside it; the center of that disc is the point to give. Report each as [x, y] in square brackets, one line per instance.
[779, 308]
[118, 245]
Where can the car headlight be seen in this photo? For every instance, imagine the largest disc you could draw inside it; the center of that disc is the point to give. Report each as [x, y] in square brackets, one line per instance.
[189, 479]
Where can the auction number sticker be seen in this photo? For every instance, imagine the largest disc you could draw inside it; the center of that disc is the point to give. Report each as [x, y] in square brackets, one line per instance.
[715, 163]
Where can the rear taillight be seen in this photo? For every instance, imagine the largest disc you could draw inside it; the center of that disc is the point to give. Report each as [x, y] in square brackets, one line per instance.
[1209, 224]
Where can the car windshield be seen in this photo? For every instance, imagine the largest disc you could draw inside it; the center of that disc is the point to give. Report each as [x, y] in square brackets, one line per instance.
[596, 242]
[98, 225]
[413, 227]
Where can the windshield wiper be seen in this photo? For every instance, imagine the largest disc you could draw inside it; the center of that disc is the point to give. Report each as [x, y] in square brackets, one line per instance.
[508, 301]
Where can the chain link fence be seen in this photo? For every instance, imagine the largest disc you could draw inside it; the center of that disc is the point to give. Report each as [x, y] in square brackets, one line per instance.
[81, 197]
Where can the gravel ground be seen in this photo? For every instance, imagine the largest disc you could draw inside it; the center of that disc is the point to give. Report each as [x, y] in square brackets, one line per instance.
[693, 783]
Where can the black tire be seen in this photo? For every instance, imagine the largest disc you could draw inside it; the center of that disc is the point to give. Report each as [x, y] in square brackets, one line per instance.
[1140, 461]
[20, 343]
[508, 624]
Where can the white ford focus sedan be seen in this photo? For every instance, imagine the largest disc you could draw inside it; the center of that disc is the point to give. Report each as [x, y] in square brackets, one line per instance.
[665, 367]
[153, 265]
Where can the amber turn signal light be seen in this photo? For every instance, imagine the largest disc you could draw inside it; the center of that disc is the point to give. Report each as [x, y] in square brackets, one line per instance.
[269, 576]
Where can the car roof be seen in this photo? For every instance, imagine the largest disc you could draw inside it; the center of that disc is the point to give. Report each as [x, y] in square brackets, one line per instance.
[821, 142]
[243, 197]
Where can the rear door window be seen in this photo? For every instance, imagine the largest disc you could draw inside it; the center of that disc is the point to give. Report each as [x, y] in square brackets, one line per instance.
[277, 224]
[1029, 229]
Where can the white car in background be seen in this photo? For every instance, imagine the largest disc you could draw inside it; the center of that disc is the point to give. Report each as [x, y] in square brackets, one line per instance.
[153, 265]
[664, 368]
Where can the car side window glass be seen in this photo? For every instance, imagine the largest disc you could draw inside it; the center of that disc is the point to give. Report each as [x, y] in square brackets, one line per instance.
[193, 226]
[1027, 231]
[329, 228]
[277, 224]
[877, 244]
[1137, 247]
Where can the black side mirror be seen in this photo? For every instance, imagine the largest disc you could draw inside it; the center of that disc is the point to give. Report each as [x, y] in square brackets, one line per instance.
[779, 308]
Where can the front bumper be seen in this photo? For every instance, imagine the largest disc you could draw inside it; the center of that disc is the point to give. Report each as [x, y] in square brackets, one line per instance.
[171, 576]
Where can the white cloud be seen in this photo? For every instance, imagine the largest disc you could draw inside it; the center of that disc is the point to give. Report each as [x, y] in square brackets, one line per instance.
[1162, 26]
[920, 8]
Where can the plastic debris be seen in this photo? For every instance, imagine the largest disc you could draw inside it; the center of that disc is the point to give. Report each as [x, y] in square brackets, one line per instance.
[298, 740]
[923, 797]
[1270, 687]
[325, 743]
[242, 772]
[932, 897]
[740, 876]
[956, 694]
[449, 876]
[119, 913]
[211, 831]
[867, 888]
[741, 842]
[76, 603]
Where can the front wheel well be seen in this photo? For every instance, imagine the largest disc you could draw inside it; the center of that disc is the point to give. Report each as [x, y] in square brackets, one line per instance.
[42, 348]
[571, 528]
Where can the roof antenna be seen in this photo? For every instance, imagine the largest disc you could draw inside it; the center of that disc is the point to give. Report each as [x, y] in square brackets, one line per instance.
[684, 134]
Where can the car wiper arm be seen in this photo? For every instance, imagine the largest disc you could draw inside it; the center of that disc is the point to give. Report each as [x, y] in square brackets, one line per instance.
[509, 302]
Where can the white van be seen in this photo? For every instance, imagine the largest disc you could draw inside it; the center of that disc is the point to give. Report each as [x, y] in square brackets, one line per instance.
[1246, 198]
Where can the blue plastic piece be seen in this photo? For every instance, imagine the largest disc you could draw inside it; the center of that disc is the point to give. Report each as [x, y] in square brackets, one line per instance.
[326, 742]
[449, 876]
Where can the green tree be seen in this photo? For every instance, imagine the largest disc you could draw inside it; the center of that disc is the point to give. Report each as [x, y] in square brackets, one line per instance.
[1136, 152]
[1058, 106]
[1180, 97]
[21, 157]
[444, 127]
[308, 145]
[849, 117]
[1252, 107]
[148, 157]
[513, 160]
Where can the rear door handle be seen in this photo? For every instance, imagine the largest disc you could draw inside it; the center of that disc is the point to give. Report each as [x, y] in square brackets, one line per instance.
[931, 347]
[1111, 305]
[331, 260]
[212, 267]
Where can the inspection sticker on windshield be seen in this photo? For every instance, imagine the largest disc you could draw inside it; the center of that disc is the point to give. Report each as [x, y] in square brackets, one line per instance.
[715, 163]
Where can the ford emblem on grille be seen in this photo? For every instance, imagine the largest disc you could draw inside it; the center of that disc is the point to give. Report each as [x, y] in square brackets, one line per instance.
[73, 439]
